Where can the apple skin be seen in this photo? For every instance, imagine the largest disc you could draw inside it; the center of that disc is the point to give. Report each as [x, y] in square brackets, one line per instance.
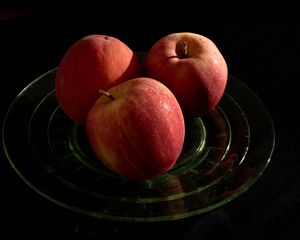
[197, 78]
[93, 62]
[138, 135]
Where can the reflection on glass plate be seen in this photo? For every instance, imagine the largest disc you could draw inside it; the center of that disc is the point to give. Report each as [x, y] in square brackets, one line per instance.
[224, 154]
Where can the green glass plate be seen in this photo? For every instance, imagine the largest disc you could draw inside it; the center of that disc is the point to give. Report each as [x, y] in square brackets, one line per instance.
[224, 153]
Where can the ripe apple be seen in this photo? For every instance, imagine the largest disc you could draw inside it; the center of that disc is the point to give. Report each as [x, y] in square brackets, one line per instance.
[192, 67]
[137, 128]
[93, 62]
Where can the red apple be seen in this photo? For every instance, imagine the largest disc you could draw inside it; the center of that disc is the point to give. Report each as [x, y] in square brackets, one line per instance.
[137, 128]
[93, 62]
[192, 67]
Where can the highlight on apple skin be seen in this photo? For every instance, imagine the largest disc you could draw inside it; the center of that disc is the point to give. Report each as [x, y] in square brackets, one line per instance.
[137, 129]
[192, 67]
[93, 62]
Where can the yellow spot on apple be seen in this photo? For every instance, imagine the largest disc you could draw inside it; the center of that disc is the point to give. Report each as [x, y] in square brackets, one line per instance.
[110, 156]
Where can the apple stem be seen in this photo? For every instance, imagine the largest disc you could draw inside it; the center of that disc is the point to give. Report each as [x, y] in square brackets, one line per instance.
[107, 94]
[185, 48]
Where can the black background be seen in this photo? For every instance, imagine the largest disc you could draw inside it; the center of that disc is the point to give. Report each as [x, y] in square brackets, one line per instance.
[263, 52]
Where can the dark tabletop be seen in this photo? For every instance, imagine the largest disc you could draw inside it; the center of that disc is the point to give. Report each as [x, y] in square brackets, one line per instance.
[261, 52]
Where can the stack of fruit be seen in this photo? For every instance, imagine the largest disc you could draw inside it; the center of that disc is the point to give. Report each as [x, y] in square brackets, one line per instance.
[134, 113]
